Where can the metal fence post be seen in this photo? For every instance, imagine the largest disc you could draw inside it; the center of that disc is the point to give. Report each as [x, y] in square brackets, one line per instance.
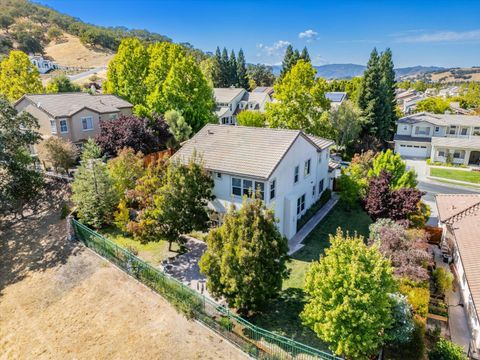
[70, 230]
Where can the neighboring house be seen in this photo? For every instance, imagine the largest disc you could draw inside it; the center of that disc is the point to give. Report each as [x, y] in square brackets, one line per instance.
[440, 137]
[74, 116]
[43, 65]
[336, 98]
[289, 167]
[264, 89]
[450, 91]
[459, 216]
[230, 101]
[407, 100]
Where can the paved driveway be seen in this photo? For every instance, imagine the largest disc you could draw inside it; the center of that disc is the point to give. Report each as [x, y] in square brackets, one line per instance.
[432, 188]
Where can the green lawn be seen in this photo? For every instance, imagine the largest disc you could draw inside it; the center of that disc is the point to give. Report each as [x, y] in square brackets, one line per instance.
[282, 316]
[152, 252]
[461, 175]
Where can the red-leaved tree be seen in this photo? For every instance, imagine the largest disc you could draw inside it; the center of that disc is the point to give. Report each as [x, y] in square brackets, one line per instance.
[382, 202]
[140, 134]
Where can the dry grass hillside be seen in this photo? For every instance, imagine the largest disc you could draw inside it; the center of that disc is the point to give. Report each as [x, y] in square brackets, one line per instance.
[456, 75]
[71, 52]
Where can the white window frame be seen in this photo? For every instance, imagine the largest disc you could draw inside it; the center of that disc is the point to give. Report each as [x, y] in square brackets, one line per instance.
[246, 190]
[66, 126]
[86, 118]
[273, 189]
[218, 175]
[301, 205]
[114, 116]
[296, 174]
[307, 168]
[53, 126]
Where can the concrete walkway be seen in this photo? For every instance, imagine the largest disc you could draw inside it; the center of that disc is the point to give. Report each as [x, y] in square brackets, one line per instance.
[296, 242]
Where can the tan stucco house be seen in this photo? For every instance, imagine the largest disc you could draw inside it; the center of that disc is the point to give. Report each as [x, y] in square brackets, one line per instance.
[73, 116]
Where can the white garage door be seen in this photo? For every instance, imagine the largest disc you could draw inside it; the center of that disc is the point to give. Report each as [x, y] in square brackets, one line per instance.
[413, 150]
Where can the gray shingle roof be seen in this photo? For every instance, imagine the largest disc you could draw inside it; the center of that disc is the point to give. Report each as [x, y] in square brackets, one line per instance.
[336, 96]
[226, 95]
[442, 119]
[67, 104]
[472, 142]
[411, 138]
[240, 150]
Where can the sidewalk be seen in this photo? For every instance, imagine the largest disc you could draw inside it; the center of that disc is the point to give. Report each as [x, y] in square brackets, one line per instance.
[295, 243]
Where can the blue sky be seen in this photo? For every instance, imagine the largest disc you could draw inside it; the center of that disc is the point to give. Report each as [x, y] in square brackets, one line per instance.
[442, 33]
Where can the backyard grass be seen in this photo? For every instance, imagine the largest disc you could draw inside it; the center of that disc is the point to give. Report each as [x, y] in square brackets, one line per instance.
[152, 252]
[282, 315]
[461, 175]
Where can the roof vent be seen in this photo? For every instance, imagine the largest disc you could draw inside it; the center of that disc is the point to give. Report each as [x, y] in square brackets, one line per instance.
[209, 132]
[39, 104]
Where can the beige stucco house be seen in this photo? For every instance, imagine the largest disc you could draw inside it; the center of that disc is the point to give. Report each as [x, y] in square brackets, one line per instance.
[73, 116]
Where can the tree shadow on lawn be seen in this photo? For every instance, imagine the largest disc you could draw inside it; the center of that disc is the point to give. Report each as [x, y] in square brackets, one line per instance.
[283, 317]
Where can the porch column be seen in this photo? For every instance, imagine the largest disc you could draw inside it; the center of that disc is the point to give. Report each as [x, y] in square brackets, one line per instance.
[432, 153]
[467, 157]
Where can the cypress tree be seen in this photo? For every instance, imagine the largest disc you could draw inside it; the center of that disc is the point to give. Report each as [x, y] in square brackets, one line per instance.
[389, 85]
[371, 99]
[295, 58]
[287, 62]
[305, 55]
[242, 71]
[232, 73]
[224, 69]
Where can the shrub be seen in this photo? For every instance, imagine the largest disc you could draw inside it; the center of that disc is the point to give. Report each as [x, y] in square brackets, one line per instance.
[413, 349]
[418, 296]
[122, 216]
[446, 350]
[443, 279]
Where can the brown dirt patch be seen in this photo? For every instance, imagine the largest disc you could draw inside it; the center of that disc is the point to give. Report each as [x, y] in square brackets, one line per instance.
[61, 301]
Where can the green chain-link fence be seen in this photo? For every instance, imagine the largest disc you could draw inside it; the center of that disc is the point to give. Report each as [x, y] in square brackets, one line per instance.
[255, 341]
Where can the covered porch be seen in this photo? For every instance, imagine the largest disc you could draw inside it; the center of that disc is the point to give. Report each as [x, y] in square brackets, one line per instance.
[456, 151]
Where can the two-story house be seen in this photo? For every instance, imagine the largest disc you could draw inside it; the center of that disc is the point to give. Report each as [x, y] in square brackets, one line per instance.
[289, 167]
[73, 116]
[43, 65]
[440, 137]
[230, 101]
[459, 217]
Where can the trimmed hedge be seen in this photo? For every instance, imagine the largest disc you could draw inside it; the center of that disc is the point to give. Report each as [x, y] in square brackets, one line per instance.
[326, 195]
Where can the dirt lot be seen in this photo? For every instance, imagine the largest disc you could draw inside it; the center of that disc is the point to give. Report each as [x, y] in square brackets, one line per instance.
[61, 301]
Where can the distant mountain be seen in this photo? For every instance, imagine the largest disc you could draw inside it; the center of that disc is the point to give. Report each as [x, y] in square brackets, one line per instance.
[348, 71]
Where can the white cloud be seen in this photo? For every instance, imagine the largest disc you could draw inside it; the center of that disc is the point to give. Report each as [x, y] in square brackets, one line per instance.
[442, 36]
[308, 34]
[275, 49]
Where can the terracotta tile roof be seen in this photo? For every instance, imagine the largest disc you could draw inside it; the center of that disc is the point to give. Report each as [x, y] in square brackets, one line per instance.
[241, 150]
[461, 213]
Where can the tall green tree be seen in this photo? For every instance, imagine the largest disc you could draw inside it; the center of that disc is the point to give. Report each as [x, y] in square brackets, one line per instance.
[179, 205]
[348, 297]
[245, 260]
[371, 99]
[127, 72]
[125, 170]
[94, 194]
[211, 70]
[90, 150]
[19, 183]
[163, 56]
[185, 89]
[305, 55]
[232, 69]
[18, 76]
[259, 75]
[225, 68]
[288, 61]
[388, 86]
[301, 102]
[346, 124]
[242, 71]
